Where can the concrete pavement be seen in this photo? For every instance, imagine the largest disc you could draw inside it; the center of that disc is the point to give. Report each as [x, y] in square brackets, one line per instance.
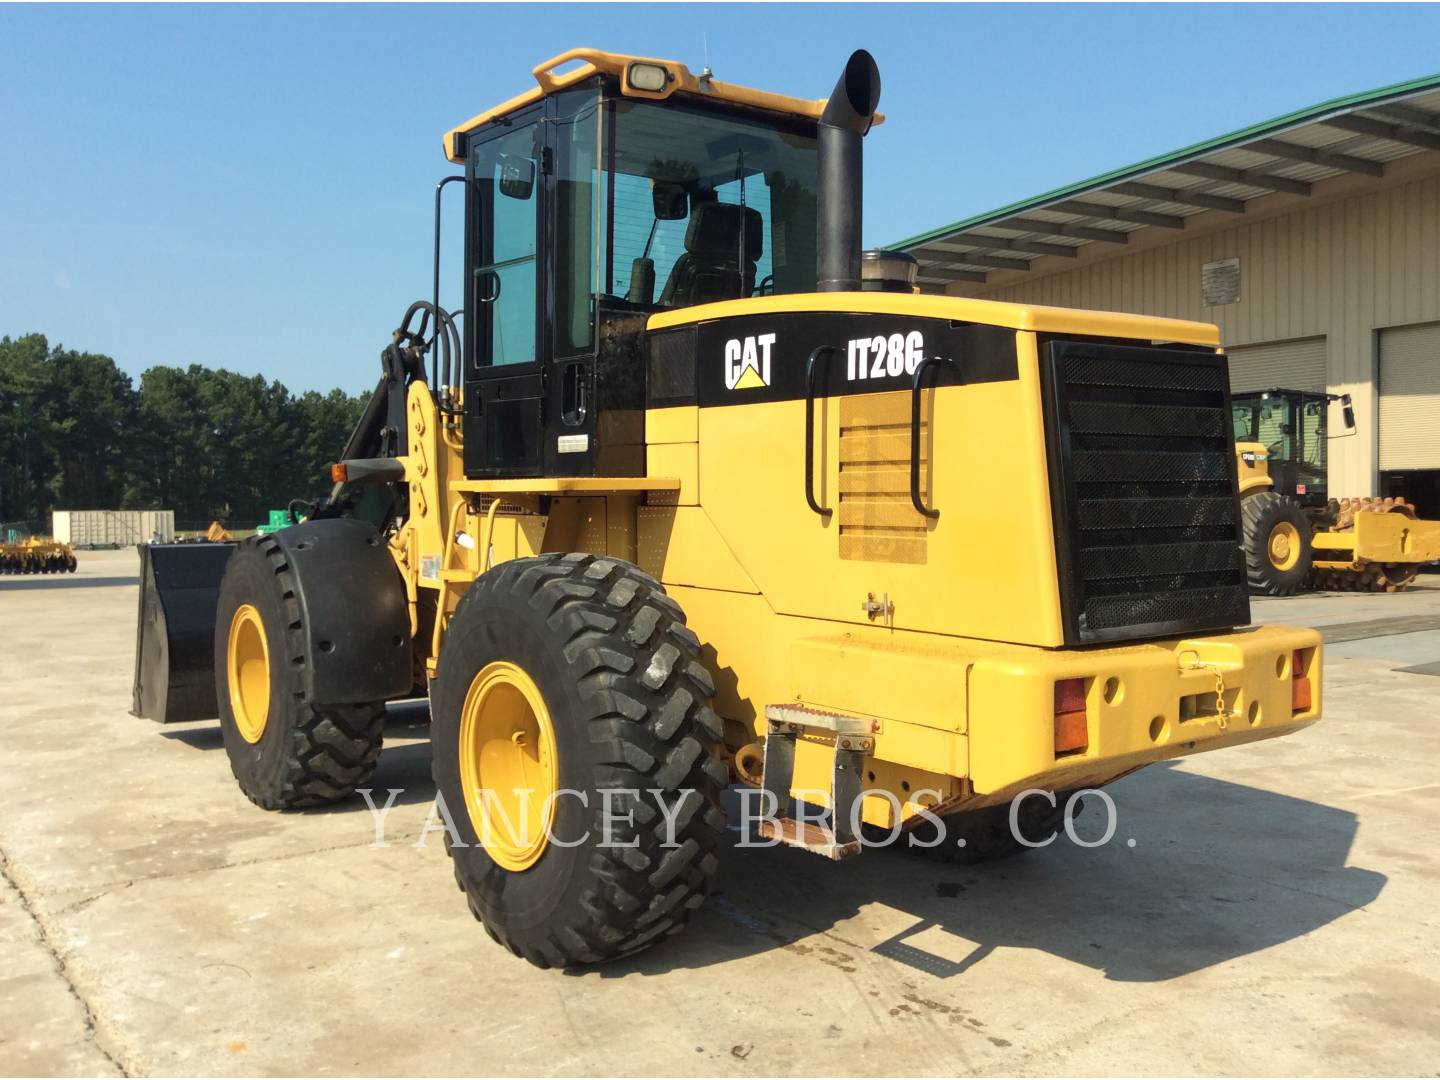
[1274, 915]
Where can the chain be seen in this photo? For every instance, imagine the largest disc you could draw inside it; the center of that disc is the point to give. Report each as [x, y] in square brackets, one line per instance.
[1222, 708]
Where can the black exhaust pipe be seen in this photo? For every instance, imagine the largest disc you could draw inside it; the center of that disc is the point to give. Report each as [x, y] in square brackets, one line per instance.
[847, 117]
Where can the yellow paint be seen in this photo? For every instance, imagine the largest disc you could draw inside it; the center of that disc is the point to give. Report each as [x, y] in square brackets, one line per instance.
[1011, 701]
[1252, 467]
[1033, 317]
[1284, 546]
[680, 545]
[1378, 538]
[675, 424]
[508, 764]
[682, 461]
[752, 488]
[594, 61]
[981, 713]
[247, 671]
[750, 380]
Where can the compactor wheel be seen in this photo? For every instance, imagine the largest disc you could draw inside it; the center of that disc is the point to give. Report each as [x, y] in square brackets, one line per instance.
[1369, 577]
[571, 717]
[1277, 543]
[285, 753]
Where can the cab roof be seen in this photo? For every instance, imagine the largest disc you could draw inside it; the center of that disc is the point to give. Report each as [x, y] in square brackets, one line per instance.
[594, 61]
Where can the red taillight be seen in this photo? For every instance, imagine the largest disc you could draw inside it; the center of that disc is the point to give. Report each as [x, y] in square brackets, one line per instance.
[1071, 731]
[1301, 699]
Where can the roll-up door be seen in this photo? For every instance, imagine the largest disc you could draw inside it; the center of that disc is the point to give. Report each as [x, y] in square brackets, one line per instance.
[1290, 365]
[1410, 397]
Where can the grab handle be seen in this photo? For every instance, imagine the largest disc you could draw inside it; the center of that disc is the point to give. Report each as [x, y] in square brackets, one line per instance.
[824, 351]
[915, 498]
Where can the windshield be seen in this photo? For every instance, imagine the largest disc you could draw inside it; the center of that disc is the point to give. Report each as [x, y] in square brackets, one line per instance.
[701, 206]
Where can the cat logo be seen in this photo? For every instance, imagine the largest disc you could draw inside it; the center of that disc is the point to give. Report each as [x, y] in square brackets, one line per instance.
[747, 362]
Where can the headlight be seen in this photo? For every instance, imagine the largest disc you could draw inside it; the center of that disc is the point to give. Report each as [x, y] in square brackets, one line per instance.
[648, 78]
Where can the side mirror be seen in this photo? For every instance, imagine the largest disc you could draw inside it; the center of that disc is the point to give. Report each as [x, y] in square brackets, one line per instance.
[670, 199]
[1347, 411]
[517, 177]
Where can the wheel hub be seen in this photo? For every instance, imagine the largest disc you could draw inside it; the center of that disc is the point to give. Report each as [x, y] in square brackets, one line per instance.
[508, 769]
[248, 672]
[1284, 546]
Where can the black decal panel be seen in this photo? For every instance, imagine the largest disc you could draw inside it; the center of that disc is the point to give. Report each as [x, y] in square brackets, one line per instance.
[763, 357]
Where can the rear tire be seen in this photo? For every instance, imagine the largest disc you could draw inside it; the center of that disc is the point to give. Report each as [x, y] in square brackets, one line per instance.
[285, 753]
[1277, 544]
[627, 707]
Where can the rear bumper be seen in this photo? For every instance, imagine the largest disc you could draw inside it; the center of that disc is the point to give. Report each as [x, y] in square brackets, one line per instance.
[1143, 703]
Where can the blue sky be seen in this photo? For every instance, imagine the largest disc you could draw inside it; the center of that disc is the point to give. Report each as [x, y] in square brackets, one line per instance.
[250, 187]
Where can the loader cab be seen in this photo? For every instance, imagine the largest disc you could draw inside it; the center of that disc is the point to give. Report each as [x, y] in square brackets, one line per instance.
[1291, 425]
[587, 211]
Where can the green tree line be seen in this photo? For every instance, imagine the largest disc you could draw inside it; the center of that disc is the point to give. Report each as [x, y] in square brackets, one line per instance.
[77, 433]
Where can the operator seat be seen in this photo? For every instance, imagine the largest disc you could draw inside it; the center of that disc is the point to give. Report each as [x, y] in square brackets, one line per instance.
[710, 269]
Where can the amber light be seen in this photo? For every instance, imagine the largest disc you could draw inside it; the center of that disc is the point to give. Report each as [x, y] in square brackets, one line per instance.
[338, 472]
[1300, 696]
[1071, 731]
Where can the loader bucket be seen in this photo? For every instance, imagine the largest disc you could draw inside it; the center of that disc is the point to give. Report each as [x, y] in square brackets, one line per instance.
[175, 635]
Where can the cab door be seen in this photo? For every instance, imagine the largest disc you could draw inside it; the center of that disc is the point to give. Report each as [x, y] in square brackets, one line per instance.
[505, 384]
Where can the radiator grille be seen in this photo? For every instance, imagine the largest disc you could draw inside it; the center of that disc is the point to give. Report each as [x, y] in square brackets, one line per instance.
[1143, 483]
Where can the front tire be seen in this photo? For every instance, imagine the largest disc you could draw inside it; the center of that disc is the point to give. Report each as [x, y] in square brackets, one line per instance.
[285, 753]
[576, 676]
[1277, 544]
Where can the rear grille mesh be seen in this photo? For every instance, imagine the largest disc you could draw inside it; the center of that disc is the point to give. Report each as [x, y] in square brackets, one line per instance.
[1143, 478]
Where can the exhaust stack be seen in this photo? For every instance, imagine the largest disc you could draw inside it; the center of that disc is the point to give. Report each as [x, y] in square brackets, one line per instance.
[847, 117]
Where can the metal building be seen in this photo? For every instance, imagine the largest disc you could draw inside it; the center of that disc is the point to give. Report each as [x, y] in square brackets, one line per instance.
[1311, 240]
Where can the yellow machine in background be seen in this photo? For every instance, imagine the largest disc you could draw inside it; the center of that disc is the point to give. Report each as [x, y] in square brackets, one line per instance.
[698, 494]
[1295, 533]
[37, 555]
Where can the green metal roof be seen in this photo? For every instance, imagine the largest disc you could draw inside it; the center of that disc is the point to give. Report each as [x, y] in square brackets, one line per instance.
[1289, 122]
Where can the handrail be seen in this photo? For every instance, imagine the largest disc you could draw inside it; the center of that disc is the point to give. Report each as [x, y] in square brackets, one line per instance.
[822, 350]
[915, 498]
[435, 340]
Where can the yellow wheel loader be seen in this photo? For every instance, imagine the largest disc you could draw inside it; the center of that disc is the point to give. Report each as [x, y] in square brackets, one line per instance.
[1296, 534]
[696, 494]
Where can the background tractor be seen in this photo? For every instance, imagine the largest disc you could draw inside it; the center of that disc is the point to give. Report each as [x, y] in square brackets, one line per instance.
[695, 494]
[1296, 535]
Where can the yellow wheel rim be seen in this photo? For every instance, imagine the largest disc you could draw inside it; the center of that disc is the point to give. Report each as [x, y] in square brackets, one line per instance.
[507, 764]
[1284, 546]
[248, 671]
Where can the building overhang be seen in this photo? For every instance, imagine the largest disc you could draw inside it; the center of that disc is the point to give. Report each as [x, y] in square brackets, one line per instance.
[1348, 144]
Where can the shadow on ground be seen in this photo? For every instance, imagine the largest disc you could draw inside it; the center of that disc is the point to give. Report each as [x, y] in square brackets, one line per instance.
[63, 581]
[1218, 871]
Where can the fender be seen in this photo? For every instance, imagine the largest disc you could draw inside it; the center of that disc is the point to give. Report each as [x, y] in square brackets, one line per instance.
[353, 611]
